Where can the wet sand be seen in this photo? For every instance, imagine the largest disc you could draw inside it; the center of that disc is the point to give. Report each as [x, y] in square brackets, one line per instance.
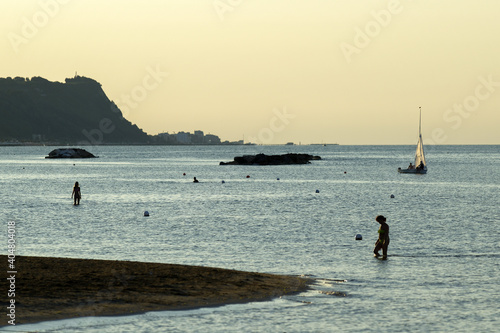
[60, 288]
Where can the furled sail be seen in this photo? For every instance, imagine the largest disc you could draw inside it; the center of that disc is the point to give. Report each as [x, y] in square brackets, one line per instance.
[419, 154]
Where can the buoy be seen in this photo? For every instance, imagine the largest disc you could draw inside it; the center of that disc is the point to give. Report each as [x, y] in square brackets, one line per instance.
[277, 179]
[359, 237]
[248, 176]
[184, 174]
[345, 172]
[146, 213]
[317, 191]
[392, 196]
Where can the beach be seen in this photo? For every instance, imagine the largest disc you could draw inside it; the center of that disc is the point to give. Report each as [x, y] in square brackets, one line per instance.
[60, 288]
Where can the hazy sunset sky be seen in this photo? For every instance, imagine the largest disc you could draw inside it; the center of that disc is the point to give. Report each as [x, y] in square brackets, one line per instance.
[273, 71]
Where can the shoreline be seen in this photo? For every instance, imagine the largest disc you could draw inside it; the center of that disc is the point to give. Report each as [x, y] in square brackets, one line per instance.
[50, 288]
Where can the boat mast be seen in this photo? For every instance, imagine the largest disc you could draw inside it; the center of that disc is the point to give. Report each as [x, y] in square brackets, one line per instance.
[420, 145]
[420, 122]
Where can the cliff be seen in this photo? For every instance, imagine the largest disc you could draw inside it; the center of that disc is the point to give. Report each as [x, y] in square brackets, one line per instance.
[75, 112]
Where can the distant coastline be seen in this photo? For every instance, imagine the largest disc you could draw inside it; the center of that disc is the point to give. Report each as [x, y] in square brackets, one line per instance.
[37, 112]
[161, 142]
[55, 144]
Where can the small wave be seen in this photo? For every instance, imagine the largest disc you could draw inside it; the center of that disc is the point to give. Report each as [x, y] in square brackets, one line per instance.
[470, 255]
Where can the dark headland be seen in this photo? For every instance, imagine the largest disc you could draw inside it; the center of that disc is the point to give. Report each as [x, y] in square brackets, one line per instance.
[36, 111]
[60, 288]
[75, 112]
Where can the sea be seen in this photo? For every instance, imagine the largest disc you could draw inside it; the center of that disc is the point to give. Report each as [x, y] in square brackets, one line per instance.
[442, 273]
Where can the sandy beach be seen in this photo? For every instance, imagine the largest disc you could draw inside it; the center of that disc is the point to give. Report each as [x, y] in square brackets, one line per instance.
[60, 288]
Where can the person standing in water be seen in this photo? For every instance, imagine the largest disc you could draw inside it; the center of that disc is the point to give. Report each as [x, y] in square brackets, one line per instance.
[76, 195]
[383, 237]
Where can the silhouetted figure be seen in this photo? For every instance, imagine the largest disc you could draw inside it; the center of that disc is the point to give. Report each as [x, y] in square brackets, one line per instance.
[195, 180]
[383, 237]
[76, 195]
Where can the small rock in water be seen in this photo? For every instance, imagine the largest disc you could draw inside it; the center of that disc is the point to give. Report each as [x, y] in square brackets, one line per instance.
[69, 153]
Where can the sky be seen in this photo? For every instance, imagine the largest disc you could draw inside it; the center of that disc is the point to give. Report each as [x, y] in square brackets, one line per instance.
[274, 71]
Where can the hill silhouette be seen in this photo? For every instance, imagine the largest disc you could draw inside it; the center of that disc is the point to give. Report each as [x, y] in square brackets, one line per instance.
[75, 112]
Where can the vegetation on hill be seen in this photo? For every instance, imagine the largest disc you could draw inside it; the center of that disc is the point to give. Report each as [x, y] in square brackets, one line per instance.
[75, 112]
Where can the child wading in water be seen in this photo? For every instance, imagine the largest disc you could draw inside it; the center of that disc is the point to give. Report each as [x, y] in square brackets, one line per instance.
[76, 195]
[383, 237]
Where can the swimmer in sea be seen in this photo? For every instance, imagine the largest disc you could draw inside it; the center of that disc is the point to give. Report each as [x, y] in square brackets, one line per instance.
[76, 195]
[383, 237]
[195, 180]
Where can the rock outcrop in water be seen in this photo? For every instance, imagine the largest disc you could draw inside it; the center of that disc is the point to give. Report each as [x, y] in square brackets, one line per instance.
[262, 159]
[70, 153]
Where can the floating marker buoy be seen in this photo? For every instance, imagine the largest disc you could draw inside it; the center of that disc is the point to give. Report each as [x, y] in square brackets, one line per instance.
[392, 196]
[317, 191]
[184, 174]
[345, 172]
[248, 176]
[146, 213]
[359, 237]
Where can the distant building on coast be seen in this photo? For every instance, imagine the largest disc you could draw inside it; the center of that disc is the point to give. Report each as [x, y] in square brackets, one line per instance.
[196, 138]
[183, 138]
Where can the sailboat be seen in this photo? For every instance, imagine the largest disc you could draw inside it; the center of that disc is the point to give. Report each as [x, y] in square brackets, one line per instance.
[420, 166]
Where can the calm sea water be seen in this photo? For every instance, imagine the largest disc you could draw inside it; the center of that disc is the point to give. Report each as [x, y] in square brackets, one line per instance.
[442, 274]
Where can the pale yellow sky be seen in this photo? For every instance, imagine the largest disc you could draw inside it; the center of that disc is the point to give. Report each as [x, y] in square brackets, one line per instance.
[273, 71]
